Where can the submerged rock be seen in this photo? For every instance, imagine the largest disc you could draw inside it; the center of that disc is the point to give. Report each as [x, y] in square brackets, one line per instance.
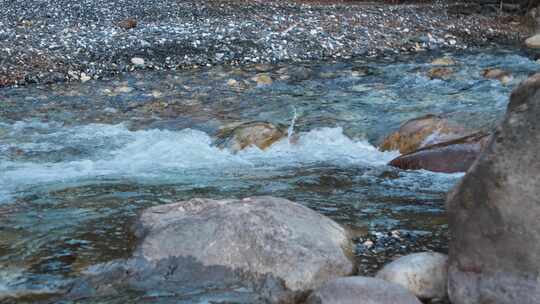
[262, 79]
[494, 212]
[504, 77]
[365, 290]
[443, 61]
[419, 132]
[424, 274]
[441, 72]
[257, 133]
[280, 249]
[447, 157]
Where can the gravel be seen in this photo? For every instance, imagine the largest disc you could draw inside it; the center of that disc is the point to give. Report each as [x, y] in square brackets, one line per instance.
[57, 40]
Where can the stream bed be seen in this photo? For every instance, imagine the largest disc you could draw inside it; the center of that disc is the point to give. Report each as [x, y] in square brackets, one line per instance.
[78, 161]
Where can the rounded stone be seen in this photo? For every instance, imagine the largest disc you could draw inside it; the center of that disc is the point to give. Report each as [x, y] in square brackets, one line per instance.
[364, 290]
[424, 274]
[137, 61]
[258, 236]
[533, 42]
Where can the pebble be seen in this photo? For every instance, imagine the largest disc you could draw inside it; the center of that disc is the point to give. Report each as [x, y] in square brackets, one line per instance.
[181, 34]
[84, 77]
[262, 79]
[137, 61]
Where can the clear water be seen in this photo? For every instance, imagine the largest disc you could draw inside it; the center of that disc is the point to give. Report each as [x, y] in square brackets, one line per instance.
[79, 161]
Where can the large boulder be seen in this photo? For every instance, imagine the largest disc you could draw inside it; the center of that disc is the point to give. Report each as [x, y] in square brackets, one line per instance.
[261, 134]
[447, 157]
[424, 274]
[364, 290]
[421, 131]
[494, 213]
[278, 249]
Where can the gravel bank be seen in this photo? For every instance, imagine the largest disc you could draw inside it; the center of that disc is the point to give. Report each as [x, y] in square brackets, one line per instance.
[57, 40]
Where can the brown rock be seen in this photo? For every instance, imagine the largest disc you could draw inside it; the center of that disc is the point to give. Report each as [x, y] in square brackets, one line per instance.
[421, 131]
[444, 61]
[503, 76]
[237, 137]
[262, 79]
[127, 23]
[440, 73]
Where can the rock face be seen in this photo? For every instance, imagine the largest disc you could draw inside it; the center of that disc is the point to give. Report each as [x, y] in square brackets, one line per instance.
[279, 249]
[364, 290]
[494, 213]
[447, 157]
[424, 274]
[419, 132]
[240, 136]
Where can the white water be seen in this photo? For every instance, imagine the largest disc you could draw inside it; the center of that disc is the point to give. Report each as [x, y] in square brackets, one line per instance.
[161, 155]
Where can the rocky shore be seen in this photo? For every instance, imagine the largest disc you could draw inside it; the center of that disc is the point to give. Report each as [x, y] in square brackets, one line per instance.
[62, 40]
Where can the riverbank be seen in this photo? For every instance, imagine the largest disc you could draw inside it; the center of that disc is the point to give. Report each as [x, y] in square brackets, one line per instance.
[54, 41]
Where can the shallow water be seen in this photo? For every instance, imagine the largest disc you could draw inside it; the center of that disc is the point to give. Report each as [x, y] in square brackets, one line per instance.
[79, 161]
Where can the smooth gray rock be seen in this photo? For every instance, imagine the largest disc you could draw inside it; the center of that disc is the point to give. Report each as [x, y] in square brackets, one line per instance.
[259, 235]
[361, 290]
[272, 249]
[494, 213]
[424, 274]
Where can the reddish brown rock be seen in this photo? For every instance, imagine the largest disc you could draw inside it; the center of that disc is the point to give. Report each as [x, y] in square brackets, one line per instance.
[419, 132]
[448, 157]
[128, 24]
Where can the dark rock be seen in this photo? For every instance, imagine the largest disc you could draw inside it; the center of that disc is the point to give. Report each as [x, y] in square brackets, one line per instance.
[494, 212]
[448, 157]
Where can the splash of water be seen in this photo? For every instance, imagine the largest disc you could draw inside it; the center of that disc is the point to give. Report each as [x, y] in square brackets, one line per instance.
[290, 131]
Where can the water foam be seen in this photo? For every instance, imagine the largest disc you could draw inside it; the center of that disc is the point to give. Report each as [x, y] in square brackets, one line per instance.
[156, 155]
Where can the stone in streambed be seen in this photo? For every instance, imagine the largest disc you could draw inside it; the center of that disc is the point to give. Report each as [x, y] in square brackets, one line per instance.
[424, 274]
[261, 134]
[533, 42]
[419, 132]
[361, 290]
[494, 212]
[447, 157]
[504, 77]
[444, 61]
[441, 72]
[276, 248]
[262, 79]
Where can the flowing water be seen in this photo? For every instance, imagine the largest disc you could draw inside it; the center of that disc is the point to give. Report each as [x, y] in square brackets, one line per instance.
[79, 161]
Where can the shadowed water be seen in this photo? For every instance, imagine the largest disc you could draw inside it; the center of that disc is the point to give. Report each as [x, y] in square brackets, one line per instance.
[79, 161]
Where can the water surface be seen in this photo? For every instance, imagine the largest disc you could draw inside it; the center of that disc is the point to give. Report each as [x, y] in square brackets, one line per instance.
[79, 161]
